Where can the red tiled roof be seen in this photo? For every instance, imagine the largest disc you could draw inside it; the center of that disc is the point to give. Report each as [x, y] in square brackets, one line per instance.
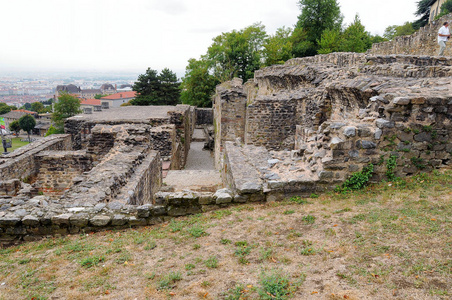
[90, 102]
[26, 111]
[121, 95]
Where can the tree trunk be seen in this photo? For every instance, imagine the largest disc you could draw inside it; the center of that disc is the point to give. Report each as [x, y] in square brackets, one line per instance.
[29, 139]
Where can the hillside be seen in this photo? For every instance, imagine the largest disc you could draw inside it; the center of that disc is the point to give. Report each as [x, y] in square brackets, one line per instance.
[392, 240]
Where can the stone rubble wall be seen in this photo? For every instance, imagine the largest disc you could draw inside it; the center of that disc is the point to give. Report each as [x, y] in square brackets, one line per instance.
[204, 116]
[323, 118]
[229, 114]
[57, 169]
[10, 187]
[422, 42]
[144, 183]
[22, 164]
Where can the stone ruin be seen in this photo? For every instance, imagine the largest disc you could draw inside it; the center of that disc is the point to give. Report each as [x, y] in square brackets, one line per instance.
[296, 129]
[306, 126]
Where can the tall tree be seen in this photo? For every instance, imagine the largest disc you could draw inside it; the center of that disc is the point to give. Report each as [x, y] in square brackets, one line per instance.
[37, 107]
[396, 30]
[330, 41]
[169, 93]
[423, 11]
[156, 89]
[278, 47]
[15, 126]
[355, 37]
[27, 123]
[5, 108]
[316, 16]
[198, 85]
[237, 53]
[66, 107]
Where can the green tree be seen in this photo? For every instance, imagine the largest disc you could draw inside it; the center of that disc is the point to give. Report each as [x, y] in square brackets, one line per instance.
[53, 130]
[278, 47]
[26, 106]
[37, 107]
[395, 30]
[237, 53]
[66, 107]
[198, 85]
[423, 11]
[446, 8]
[169, 92]
[15, 126]
[355, 37]
[147, 87]
[330, 41]
[27, 123]
[377, 39]
[316, 16]
[98, 96]
[156, 89]
[5, 108]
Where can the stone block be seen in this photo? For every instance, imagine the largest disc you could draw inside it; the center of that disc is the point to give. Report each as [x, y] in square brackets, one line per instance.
[30, 221]
[249, 187]
[100, 220]
[382, 123]
[119, 220]
[62, 219]
[223, 196]
[349, 131]
[79, 220]
[144, 211]
[133, 221]
[401, 100]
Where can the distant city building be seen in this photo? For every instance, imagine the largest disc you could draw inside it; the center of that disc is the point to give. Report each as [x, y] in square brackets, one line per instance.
[435, 9]
[16, 115]
[105, 89]
[117, 99]
[90, 93]
[90, 105]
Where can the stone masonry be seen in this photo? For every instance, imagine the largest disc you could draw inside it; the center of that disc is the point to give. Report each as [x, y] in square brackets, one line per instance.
[311, 123]
[422, 42]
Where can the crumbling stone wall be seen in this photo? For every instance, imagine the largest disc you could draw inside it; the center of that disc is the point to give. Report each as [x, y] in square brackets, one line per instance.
[22, 164]
[230, 115]
[320, 119]
[57, 169]
[204, 116]
[422, 42]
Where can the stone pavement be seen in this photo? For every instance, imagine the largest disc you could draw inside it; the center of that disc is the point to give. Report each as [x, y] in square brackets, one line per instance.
[199, 173]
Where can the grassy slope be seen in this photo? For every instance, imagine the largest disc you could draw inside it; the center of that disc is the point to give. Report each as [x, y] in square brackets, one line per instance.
[388, 241]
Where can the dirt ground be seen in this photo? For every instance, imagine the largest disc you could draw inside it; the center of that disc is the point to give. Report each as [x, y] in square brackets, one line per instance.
[390, 241]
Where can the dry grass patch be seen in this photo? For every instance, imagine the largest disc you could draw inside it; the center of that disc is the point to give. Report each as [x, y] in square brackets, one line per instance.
[392, 240]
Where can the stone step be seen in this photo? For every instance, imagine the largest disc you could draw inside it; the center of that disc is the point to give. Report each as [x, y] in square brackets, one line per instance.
[195, 180]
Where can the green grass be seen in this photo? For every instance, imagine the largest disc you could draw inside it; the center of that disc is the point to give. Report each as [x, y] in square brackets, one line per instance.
[16, 143]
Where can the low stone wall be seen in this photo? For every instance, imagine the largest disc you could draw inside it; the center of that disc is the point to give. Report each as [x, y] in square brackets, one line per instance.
[422, 42]
[144, 183]
[204, 116]
[9, 187]
[57, 169]
[21, 163]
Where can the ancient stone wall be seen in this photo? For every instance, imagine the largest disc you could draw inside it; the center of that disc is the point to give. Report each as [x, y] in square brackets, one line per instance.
[204, 116]
[323, 118]
[22, 164]
[57, 169]
[422, 42]
[230, 115]
[144, 183]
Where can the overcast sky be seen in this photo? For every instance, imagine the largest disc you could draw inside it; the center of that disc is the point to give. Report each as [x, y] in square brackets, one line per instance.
[131, 35]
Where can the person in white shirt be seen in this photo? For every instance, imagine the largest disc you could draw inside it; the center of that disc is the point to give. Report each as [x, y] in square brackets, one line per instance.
[443, 36]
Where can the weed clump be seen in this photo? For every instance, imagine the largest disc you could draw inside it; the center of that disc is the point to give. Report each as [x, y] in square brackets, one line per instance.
[357, 181]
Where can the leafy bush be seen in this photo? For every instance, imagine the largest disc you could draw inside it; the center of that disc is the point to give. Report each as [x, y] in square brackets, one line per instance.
[357, 181]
